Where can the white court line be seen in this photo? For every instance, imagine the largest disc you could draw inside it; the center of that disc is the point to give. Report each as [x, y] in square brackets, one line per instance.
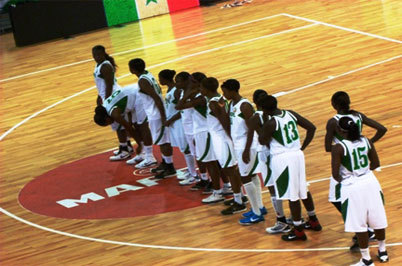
[144, 47]
[157, 65]
[185, 248]
[343, 28]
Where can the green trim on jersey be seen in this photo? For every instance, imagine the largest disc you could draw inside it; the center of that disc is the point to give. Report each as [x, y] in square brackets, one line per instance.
[241, 115]
[338, 191]
[122, 104]
[202, 110]
[382, 197]
[282, 182]
[344, 209]
[347, 160]
[278, 134]
[229, 157]
[207, 146]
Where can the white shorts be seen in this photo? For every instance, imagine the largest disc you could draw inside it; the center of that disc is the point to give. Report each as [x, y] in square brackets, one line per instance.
[190, 142]
[177, 138]
[362, 204]
[264, 168]
[289, 175]
[138, 116]
[247, 169]
[223, 149]
[334, 190]
[160, 135]
[203, 149]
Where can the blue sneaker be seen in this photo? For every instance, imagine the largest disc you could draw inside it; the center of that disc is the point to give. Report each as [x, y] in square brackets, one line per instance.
[250, 213]
[251, 220]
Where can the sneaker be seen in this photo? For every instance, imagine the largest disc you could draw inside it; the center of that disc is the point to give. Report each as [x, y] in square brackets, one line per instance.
[182, 175]
[208, 189]
[168, 172]
[137, 159]
[363, 262]
[229, 202]
[161, 167]
[188, 181]
[213, 198]
[251, 220]
[383, 256]
[293, 236]
[201, 185]
[227, 191]
[371, 236]
[313, 225]
[234, 208]
[355, 248]
[147, 162]
[122, 155]
[130, 149]
[279, 227]
[251, 213]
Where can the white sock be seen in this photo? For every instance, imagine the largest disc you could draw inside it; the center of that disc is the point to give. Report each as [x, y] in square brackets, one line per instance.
[297, 223]
[365, 253]
[204, 176]
[190, 161]
[251, 194]
[226, 185]
[149, 152]
[237, 198]
[381, 245]
[257, 183]
[311, 213]
[278, 207]
[168, 159]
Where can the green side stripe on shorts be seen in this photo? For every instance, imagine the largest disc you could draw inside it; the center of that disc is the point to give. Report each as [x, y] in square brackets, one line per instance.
[254, 166]
[160, 135]
[338, 191]
[283, 182]
[207, 146]
[382, 197]
[229, 157]
[187, 149]
[269, 171]
[344, 208]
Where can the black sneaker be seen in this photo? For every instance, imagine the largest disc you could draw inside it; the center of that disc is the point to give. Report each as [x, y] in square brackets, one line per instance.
[161, 167]
[201, 185]
[234, 208]
[229, 202]
[291, 236]
[169, 171]
[371, 236]
[383, 256]
[208, 189]
[354, 248]
[313, 225]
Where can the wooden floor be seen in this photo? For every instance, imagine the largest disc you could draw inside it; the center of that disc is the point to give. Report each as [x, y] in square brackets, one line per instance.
[308, 49]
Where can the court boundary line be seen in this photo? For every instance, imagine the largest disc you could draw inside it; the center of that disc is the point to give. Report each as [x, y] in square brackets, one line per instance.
[142, 48]
[343, 28]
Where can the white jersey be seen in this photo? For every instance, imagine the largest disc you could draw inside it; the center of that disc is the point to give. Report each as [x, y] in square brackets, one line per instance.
[260, 147]
[100, 82]
[170, 103]
[187, 119]
[214, 125]
[200, 123]
[148, 103]
[124, 99]
[355, 117]
[355, 160]
[238, 127]
[286, 136]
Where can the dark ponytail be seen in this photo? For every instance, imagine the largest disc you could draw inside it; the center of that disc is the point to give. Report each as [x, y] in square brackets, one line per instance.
[350, 127]
[167, 74]
[341, 101]
[108, 57]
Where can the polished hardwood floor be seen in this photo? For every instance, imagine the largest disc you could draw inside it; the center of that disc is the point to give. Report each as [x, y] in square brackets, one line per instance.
[355, 46]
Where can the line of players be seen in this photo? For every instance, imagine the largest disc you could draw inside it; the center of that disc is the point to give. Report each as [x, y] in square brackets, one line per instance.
[232, 142]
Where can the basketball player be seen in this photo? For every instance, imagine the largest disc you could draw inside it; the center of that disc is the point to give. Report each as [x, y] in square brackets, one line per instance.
[287, 162]
[174, 124]
[219, 128]
[245, 144]
[202, 137]
[106, 83]
[353, 158]
[151, 96]
[341, 103]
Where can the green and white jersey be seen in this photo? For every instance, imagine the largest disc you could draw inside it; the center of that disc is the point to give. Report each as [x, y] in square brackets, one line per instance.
[214, 125]
[238, 127]
[170, 103]
[100, 81]
[356, 118]
[200, 123]
[149, 104]
[187, 118]
[355, 161]
[124, 99]
[260, 147]
[286, 136]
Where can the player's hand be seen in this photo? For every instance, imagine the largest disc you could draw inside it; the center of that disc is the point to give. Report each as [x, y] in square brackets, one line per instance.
[246, 156]
[168, 123]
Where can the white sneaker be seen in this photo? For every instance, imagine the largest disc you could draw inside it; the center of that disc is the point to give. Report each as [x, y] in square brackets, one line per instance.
[147, 162]
[183, 175]
[120, 156]
[213, 198]
[138, 158]
[363, 262]
[188, 181]
[227, 191]
[129, 148]
[279, 227]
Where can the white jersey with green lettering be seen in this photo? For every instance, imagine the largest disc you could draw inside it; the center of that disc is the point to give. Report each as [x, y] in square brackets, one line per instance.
[150, 107]
[286, 136]
[355, 161]
[100, 81]
[124, 99]
[170, 103]
[200, 123]
[238, 127]
[355, 117]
